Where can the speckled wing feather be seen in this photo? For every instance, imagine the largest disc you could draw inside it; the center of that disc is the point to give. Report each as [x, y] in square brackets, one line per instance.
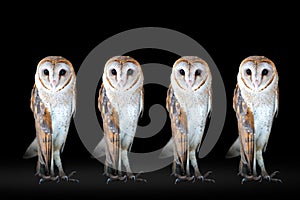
[43, 126]
[111, 130]
[245, 122]
[179, 141]
[32, 149]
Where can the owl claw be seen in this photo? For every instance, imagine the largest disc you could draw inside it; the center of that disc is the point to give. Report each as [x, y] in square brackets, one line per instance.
[270, 178]
[135, 178]
[108, 180]
[251, 178]
[47, 178]
[203, 179]
[244, 180]
[116, 178]
[184, 178]
[68, 178]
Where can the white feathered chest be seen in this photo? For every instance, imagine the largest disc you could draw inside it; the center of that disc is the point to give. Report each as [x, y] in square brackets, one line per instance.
[127, 105]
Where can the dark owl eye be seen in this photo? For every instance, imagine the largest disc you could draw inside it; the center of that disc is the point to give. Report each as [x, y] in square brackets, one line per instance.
[181, 72]
[248, 71]
[198, 72]
[46, 72]
[129, 72]
[113, 72]
[62, 72]
[265, 72]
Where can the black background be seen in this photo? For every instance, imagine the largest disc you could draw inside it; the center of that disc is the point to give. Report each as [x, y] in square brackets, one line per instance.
[228, 36]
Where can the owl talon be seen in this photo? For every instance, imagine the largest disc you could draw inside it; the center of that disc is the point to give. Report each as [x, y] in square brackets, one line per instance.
[203, 178]
[132, 177]
[108, 180]
[184, 178]
[47, 178]
[135, 178]
[251, 178]
[68, 178]
[41, 180]
[270, 178]
[244, 180]
[116, 178]
[274, 173]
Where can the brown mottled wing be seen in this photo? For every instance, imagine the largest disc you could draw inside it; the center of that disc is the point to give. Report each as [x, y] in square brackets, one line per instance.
[32, 149]
[245, 128]
[110, 129]
[43, 126]
[179, 129]
[234, 150]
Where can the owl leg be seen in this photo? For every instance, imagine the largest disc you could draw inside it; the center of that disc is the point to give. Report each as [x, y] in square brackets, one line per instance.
[43, 172]
[179, 171]
[197, 173]
[181, 158]
[113, 160]
[245, 172]
[44, 177]
[112, 174]
[125, 146]
[61, 172]
[130, 175]
[264, 173]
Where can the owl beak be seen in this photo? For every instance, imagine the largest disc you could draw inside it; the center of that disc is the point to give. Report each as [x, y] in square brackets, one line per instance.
[122, 83]
[256, 83]
[191, 83]
[54, 84]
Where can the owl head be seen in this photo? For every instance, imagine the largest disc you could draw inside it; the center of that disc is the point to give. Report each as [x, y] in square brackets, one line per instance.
[54, 73]
[190, 73]
[257, 73]
[122, 73]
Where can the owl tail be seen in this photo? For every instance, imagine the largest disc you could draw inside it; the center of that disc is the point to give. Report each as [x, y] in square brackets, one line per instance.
[32, 150]
[99, 150]
[234, 150]
[168, 150]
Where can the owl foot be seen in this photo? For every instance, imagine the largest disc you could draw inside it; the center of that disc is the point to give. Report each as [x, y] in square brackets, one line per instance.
[270, 178]
[68, 178]
[135, 177]
[44, 178]
[116, 178]
[183, 178]
[203, 178]
[248, 178]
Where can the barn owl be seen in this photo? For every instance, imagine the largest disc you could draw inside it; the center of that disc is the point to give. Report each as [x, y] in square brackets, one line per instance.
[255, 102]
[189, 103]
[53, 103]
[120, 101]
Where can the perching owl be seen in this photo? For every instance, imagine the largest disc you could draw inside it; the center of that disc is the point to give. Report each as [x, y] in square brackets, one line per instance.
[53, 103]
[120, 101]
[255, 102]
[189, 103]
